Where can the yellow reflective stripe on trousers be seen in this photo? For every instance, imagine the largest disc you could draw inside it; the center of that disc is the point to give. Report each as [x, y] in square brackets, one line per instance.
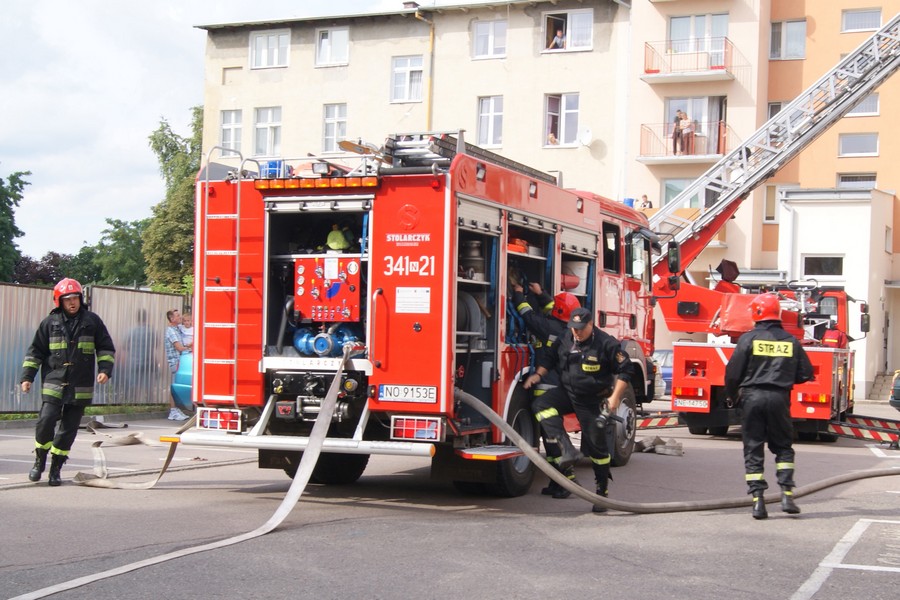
[58, 452]
[783, 466]
[43, 446]
[601, 461]
[547, 414]
[753, 477]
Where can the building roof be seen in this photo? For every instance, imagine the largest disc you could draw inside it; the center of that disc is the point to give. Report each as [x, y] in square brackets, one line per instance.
[406, 8]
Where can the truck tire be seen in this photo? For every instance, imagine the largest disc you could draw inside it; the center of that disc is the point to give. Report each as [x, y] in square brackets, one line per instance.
[339, 469]
[697, 430]
[515, 475]
[718, 430]
[623, 440]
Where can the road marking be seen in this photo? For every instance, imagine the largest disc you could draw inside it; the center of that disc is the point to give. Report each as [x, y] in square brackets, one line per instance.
[834, 558]
[877, 451]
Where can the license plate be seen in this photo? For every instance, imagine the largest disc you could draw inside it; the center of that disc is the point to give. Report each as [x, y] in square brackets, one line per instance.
[691, 403]
[407, 393]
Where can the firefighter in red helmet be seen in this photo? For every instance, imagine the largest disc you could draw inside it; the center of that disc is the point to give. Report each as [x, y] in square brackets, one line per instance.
[546, 319]
[69, 344]
[763, 369]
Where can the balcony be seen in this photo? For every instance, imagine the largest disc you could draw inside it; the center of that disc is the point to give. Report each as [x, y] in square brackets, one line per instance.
[681, 61]
[709, 142]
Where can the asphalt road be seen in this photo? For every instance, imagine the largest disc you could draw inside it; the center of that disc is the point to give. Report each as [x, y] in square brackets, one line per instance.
[397, 534]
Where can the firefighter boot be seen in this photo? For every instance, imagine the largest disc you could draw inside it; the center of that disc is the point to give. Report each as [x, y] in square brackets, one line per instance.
[601, 491]
[759, 507]
[569, 455]
[56, 463]
[40, 463]
[562, 493]
[787, 502]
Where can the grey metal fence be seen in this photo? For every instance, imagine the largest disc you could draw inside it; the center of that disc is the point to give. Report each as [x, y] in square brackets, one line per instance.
[136, 321]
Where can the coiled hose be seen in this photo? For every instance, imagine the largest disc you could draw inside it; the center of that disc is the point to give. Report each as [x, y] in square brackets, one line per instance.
[651, 507]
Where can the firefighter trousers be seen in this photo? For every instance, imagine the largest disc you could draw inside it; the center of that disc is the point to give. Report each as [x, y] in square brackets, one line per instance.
[46, 434]
[767, 420]
[549, 409]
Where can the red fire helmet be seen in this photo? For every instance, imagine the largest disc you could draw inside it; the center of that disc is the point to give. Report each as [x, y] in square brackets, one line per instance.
[563, 305]
[66, 287]
[765, 307]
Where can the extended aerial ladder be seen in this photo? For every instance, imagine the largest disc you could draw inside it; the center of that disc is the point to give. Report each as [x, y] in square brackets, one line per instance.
[726, 184]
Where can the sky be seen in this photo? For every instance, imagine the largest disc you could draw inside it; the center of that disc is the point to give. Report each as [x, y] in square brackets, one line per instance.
[84, 84]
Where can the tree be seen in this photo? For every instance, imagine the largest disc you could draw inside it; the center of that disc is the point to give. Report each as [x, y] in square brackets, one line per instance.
[83, 266]
[119, 254]
[10, 196]
[169, 237]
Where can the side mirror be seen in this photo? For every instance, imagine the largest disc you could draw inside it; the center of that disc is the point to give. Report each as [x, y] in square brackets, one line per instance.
[864, 322]
[673, 257]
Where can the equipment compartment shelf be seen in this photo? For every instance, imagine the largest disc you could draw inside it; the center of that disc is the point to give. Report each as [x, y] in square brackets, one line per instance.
[526, 255]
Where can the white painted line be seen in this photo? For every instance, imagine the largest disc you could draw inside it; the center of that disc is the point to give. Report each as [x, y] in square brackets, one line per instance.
[825, 568]
[865, 568]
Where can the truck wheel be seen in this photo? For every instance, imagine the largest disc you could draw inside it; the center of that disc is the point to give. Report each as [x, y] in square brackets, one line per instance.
[515, 475]
[697, 430]
[719, 430]
[623, 440]
[339, 469]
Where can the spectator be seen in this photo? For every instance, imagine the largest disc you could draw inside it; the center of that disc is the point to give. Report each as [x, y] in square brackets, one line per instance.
[645, 202]
[174, 347]
[558, 42]
[187, 332]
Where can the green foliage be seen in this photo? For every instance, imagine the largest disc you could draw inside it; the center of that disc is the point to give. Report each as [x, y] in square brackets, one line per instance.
[119, 254]
[169, 237]
[10, 196]
[83, 266]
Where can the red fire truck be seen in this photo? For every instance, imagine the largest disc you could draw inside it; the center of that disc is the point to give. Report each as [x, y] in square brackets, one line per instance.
[399, 255]
[722, 313]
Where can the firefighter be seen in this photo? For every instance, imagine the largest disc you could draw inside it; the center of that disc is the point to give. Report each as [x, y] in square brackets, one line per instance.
[547, 324]
[834, 337]
[66, 346]
[766, 364]
[594, 374]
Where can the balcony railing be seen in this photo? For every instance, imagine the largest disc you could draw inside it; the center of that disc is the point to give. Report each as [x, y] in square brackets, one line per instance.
[708, 138]
[705, 58]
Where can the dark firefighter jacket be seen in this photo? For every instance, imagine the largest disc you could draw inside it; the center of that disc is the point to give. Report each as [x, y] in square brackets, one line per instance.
[66, 360]
[588, 371]
[767, 356]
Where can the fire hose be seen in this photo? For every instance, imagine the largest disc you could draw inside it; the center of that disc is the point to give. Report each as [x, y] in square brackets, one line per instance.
[652, 507]
[298, 485]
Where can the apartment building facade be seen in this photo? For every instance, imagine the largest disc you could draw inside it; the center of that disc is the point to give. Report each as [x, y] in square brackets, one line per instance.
[598, 109]
[288, 88]
[827, 215]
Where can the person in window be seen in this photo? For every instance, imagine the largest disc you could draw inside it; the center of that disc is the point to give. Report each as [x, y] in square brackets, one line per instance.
[645, 202]
[677, 144]
[687, 134]
[558, 42]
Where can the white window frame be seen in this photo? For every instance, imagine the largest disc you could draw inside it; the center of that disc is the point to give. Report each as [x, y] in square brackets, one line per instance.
[558, 121]
[332, 46]
[845, 138]
[334, 126]
[490, 121]
[404, 87]
[230, 130]
[773, 109]
[849, 14]
[787, 30]
[857, 181]
[276, 51]
[819, 276]
[493, 33]
[579, 20]
[869, 107]
[267, 127]
[677, 185]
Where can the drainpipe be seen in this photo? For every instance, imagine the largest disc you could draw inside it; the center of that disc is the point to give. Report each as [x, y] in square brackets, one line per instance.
[428, 82]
